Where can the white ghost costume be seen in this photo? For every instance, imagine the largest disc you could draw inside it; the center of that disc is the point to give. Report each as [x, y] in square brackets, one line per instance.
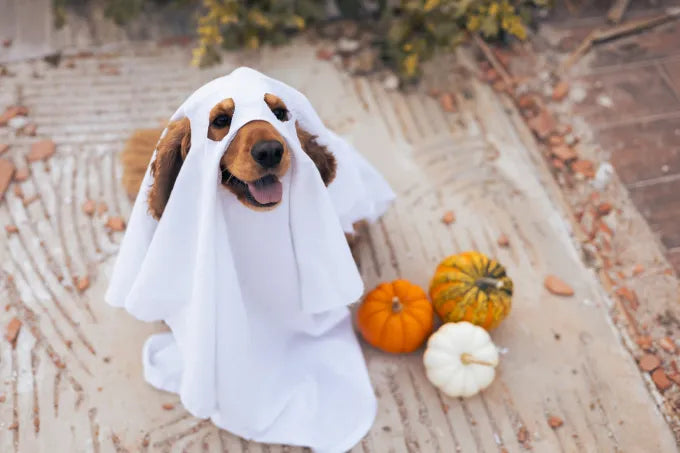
[261, 339]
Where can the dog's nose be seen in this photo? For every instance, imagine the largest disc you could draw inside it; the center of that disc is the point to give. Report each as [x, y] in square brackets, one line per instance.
[267, 153]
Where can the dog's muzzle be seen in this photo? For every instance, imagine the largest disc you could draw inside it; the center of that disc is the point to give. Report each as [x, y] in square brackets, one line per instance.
[267, 153]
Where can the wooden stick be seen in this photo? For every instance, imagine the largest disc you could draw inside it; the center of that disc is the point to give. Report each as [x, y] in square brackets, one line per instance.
[617, 10]
[627, 28]
[488, 53]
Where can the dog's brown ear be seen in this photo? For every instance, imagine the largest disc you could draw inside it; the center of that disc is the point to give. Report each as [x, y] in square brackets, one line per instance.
[170, 153]
[322, 158]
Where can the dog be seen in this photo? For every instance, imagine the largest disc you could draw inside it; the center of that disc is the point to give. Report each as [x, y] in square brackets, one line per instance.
[260, 194]
[251, 166]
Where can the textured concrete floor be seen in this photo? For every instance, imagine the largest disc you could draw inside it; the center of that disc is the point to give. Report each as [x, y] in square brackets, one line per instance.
[74, 381]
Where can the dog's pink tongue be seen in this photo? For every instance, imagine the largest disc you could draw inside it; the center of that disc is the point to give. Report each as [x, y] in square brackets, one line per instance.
[271, 192]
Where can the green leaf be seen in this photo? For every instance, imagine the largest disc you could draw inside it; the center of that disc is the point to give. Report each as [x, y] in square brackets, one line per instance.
[489, 27]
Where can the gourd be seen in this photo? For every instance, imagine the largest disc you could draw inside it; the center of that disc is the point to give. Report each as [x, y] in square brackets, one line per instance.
[395, 317]
[460, 359]
[471, 287]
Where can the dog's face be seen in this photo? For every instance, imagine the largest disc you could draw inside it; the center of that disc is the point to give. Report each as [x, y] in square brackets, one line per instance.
[252, 164]
[257, 157]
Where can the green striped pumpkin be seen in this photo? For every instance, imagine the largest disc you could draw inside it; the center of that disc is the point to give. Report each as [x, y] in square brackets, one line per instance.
[471, 287]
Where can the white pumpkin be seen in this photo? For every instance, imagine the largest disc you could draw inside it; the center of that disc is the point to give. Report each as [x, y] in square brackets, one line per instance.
[460, 359]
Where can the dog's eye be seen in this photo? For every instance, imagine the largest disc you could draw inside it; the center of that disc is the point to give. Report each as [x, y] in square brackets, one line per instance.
[221, 121]
[281, 114]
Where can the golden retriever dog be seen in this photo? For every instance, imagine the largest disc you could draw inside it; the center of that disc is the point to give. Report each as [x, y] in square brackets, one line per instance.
[251, 166]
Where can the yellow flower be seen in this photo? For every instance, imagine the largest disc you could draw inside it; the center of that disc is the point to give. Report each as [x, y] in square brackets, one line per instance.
[410, 64]
[493, 9]
[473, 23]
[515, 26]
[198, 54]
[260, 19]
[430, 5]
[228, 19]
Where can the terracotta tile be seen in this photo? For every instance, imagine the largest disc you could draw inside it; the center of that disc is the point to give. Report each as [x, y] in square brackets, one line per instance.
[561, 13]
[644, 150]
[656, 43]
[660, 204]
[633, 93]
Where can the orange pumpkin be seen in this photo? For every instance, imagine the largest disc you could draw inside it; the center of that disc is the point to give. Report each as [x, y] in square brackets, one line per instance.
[395, 317]
[471, 287]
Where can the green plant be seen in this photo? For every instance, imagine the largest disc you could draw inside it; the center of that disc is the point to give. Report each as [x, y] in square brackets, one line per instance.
[408, 31]
[418, 27]
[237, 23]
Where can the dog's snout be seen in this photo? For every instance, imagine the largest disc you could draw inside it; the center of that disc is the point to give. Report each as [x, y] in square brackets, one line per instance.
[267, 153]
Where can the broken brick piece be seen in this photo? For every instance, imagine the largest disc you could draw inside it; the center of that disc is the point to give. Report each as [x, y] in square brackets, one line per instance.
[523, 435]
[526, 101]
[82, 283]
[555, 140]
[557, 286]
[503, 240]
[168, 406]
[41, 150]
[560, 91]
[490, 75]
[89, 207]
[448, 102]
[564, 153]
[555, 422]
[11, 229]
[644, 341]
[649, 362]
[12, 330]
[448, 218]
[115, 224]
[629, 295]
[667, 344]
[543, 124]
[660, 379]
[604, 208]
[324, 54]
[638, 269]
[584, 167]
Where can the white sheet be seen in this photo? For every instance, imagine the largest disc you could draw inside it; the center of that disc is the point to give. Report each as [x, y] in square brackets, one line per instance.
[261, 339]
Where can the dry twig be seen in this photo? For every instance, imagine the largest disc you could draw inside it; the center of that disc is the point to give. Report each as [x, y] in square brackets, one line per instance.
[500, 69]
[618, 31]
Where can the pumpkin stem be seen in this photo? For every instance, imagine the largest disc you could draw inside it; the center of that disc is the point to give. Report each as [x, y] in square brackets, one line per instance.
[469, 359]
[396, 305]
[488, 282]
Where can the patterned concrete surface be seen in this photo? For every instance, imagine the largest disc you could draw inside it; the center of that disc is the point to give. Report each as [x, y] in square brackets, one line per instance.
[74, 383]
